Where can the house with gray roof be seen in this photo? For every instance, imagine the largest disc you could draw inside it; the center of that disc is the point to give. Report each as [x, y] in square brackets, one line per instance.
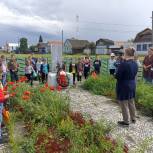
[143, 41]
[75, 46]
[102, 46]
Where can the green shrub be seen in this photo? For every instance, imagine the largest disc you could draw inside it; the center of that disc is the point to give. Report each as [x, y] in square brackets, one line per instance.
[102, 85]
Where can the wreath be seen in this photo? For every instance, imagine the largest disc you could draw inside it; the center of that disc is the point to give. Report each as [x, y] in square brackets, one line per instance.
[62, 79]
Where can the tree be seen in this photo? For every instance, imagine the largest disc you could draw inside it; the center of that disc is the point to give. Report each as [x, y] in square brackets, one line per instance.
[33, 48]
[40, 39]
[23, 45]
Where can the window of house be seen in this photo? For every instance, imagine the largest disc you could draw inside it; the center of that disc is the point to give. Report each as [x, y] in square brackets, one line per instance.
[139, 47]
[144, 47]
[150, 45]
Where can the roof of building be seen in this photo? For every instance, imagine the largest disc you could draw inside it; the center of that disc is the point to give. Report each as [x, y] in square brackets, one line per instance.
[78, 44]
[144, 36]
[106, 41]
[55, 42]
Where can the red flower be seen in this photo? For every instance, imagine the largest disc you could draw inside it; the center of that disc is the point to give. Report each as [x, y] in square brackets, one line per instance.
[42, 89]
[23, 79]
[59, 88]
[13, 94]
[52, 88]
[24, 97]
[5, 88]
[11, 83]
[46, 85]
[14, 87]
[28, 93]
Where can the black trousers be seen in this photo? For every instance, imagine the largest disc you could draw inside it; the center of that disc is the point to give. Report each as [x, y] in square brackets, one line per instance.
[30, 78]
[86, 74]
[112, 71]
[44, 77]
[74, 78]
[79, 78]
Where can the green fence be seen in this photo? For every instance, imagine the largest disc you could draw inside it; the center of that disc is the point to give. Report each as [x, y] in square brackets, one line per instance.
[66, 61]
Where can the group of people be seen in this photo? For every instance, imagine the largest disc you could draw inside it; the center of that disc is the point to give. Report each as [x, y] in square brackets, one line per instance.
[114, 62]
[83, 68]
[35, 68]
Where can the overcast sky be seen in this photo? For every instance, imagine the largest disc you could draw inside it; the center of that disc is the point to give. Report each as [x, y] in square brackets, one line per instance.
[112, 19]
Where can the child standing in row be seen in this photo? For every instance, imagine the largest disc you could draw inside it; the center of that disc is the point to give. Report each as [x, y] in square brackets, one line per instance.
[29, 72]
[73, 70]
[44, 70]
[86, 67]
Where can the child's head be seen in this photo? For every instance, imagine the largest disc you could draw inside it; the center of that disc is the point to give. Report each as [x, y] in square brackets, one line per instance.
[28, 63]
[44, 61]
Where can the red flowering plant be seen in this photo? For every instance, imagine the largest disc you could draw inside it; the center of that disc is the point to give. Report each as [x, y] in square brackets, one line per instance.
[51, 127]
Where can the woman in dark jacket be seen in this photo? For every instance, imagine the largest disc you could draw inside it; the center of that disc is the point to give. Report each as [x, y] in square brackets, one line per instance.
[126, 86]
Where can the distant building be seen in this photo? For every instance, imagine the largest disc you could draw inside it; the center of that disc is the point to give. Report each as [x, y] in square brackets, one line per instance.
[143, 41]
[11, 47]
[75, 46]
[52, 42]
[102, 46]
[124, 44]
[42, 48]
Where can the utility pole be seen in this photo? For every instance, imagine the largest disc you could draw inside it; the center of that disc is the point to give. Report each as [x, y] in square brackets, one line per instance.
[62, 41]
[152, 28]
[77, 26]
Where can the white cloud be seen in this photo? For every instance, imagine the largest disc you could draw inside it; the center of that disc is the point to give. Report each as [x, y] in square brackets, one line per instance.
[36, 23]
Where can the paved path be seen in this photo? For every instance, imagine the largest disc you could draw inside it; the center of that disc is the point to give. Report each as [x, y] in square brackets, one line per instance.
[99, 107]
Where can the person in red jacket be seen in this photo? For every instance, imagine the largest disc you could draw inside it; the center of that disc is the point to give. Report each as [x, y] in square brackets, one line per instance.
[3, 99]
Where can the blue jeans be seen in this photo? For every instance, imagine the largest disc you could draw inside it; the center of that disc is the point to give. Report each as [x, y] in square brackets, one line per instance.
[1, 119]
[4, 76]
[14, 76]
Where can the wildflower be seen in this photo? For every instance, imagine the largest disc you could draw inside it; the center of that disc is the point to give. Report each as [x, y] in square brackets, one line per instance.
[42, 89]
[14, 87]
[46, 85]
[52, 88]
[28, 93]
[11, 83]
[13, 94]
[24, 97]
[59, 88]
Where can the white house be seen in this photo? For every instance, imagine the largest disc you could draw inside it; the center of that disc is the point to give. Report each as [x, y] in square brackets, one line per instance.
[75, 46]
[143, 41]
[102, 46]
[9, 47]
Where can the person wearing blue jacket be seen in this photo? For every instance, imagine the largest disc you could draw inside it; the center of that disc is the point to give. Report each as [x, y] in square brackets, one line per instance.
[126, 87]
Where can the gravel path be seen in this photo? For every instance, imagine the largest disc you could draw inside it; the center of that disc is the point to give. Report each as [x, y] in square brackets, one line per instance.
[99, 107]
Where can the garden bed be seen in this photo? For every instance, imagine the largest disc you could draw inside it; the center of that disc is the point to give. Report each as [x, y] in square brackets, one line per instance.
[51, 127]
[105, 85]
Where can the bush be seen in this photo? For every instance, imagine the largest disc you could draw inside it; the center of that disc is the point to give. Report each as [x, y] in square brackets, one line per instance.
[102, 85]
[105, 85]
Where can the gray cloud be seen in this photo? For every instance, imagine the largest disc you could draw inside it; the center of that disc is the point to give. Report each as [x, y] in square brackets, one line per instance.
[118, 20]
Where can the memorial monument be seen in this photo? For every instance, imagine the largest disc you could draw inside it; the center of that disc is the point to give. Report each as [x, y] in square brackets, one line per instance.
[56, 63]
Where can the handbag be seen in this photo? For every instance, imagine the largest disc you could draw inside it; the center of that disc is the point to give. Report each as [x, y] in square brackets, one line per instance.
[34, 74]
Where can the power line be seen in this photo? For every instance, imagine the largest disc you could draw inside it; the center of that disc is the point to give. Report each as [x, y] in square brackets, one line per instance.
[112, 24]
[109, 30]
